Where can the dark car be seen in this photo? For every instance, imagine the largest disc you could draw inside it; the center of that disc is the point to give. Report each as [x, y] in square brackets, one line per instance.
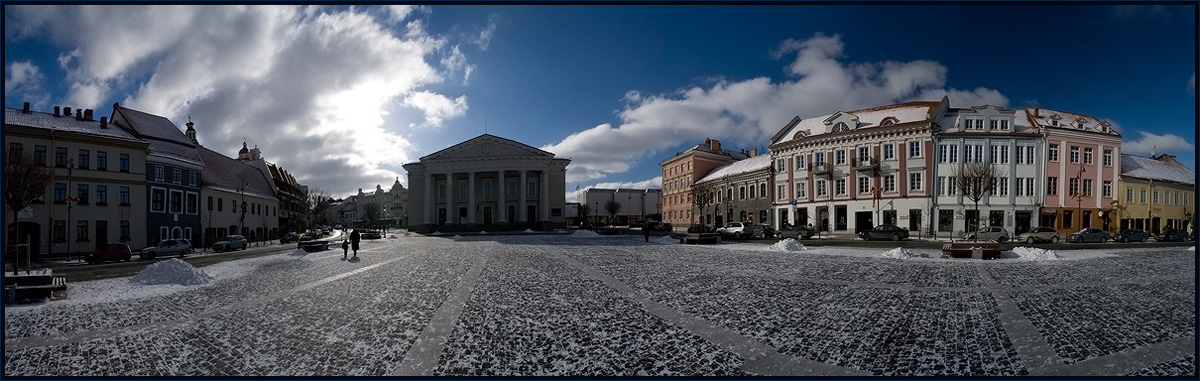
[1132, 235]
[117, 252]
[289, 237]
[659, 226]
[1089, 235]
[1171, 235]
[796, 231]
[370, 234]
[891, 232]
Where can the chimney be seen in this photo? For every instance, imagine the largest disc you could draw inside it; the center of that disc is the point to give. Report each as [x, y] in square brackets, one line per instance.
[714, 145]
[66, 111]
[55, 110]
[87, 115]
[78, 114]
[754, 152]
[1035, 113]
[25, 108]
[104, 123]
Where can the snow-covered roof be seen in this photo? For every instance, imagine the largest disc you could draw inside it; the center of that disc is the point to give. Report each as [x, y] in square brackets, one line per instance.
[221, 172]
[165, 137]
[1045, 117]
[1153, 169]
[907, 112]
[42, 120]
[739, 167]
[949, 121]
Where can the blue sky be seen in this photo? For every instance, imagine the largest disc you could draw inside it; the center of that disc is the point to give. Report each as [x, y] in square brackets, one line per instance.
[342, 96]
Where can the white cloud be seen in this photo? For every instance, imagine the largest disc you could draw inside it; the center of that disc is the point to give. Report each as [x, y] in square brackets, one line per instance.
[485, 35]
[23, 80]
[748, 112]
[456, 64]
[1191, 85]
[1157, 144]
[308, 84]
[652, 183]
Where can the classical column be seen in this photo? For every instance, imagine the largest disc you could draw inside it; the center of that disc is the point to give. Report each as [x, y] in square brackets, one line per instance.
[451, 210]
[502, 188]
[471, 197]
[428, 199]
[545, 196]
[521, 191]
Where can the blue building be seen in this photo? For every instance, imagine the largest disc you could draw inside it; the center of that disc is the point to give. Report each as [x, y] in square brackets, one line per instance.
[173, 182]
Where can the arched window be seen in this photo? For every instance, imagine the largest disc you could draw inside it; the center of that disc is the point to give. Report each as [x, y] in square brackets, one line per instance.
[889, 121]
[840, 127]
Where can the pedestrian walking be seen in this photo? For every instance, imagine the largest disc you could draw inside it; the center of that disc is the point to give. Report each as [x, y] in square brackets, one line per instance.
[646, 231]
[345, 248]
[354, 237]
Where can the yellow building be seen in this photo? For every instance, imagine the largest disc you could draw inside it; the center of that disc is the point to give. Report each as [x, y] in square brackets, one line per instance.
[1155, 193]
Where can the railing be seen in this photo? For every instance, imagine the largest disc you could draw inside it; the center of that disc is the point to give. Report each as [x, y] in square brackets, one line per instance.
[819, 168]
[864, 162]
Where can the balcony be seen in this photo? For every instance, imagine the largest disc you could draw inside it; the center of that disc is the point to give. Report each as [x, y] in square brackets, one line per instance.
[819, 168]
[865, 163]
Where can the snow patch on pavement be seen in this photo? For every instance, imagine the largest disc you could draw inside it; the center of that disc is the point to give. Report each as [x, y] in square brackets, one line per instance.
[788, 244]
[529, 230]
[901, 253]
[584, 234]
[298, 253]
[172, 271]
[1032, 254]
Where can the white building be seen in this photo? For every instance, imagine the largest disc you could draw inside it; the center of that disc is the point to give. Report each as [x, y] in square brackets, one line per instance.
[386, 208]
[637, 205]
[487, 182]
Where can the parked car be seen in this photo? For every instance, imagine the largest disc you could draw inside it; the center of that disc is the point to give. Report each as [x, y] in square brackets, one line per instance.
[370, 234]
[309, 236]
[167, 246]
[117, 252]
[230, 243]
[796, 231]
[1089, 235]
[1128, 235]
[289, 237]
[1040, 234]
[891, 232]
[762, 230]
[659, 226]
[990, 233]
[1170, 235]
[735, 230]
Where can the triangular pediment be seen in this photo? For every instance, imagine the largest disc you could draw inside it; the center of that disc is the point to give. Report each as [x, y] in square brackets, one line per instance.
[487, 146]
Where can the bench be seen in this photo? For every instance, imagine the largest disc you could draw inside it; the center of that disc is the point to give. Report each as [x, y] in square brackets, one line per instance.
[36, 288]
[975, 250]
[311, 246]
[700, 238]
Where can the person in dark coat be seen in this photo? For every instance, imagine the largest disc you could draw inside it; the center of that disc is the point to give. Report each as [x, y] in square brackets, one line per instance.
[345, 248]
[354, 237]
[646, 231]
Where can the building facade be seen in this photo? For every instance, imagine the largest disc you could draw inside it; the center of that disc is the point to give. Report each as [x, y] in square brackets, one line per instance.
[238, 199]
[1155, 193]
[636, 205]
[737, 192]
[173, 169]
[681, 171]
[96, 196]
[380, 208]
[487, 182]
[1083, 161]
[1004, 139]
[851, 170]
[292, 215]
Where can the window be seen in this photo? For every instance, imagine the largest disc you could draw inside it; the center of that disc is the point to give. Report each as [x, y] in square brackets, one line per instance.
[889, 183]
[158, 173]
[821, 191]
[193, 203]
[780, 192]
[780, 165]
[16, 149]
[1051, 185]
[864, 185]
[462, 189]
[914, 182]
[840, 127]
[1087, 188]
[210, 203]
[1108, 158]
[954, 153]
[1106, 189]
[1074, 154]
[220, 204]
[943, 153]
[101, 161]
[762, 190]
[531, 188]
[889, 151]
[1029, 186]
[84, 156]
[39, 154]
[101, 195]
[742, 192]
[512, 187]
[1155, 197]
[840, 157]
[192, 178]
[60, 192]
[840, 185]
[753, 194]
[864, 153]
[81, 231]
[1129, 195]
[968, 157]
[995, 157]
[125, 196]
[1021, 187]
[442, 190]
[1067, 219]
[125, 230]
[82, 194]
[1053, 153]
[820, 158]
[1001, 187]
[951, 186]
[60, 231]
[1003, 154]
[1142, 196]
[124, 162]
[801, 192]
[994, 124]
[487, 188]
[1004, 124]
[1029, 155]
[1074, 187]
[175, 176]
[60, 157]
[729, 193]
[158, 200]
[799, 162]
[914, 149]
[1087, 155]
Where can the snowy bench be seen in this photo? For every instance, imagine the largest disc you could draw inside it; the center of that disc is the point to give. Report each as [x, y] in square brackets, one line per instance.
[34, 288]
[975, 250]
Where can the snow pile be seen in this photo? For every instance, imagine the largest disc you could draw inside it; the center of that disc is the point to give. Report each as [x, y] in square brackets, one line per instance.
[529, 230]
[585, 234]
[1193, 248]
[299, 252]
[172, 271]
[393, 236]
[483, 232]
[456, 236]
[901, 253]
[665, 239]
[1035, 254]
[788, 244]
[406, 234]
[436, 233]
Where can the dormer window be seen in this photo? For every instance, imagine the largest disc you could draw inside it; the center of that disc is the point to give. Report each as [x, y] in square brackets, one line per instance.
[841, 127]
[889, 121]
[1004, 124]
[1054, 123]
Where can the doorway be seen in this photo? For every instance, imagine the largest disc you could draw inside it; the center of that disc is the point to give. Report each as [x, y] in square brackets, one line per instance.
[914, 220]
[863, 221]
[487, 215]
[839, 214]
[1024, 218]
[530, 213]
[101, 234]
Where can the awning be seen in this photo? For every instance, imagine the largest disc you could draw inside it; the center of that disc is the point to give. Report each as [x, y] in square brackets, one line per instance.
[1049, 211]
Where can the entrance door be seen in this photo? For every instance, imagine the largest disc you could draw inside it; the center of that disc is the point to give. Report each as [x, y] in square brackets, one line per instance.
[839, 214]
[487, 215]
[512, 213]
[1023, 220]
[441, 216]
[863, 221]
[101, 234]
[823, 218]
[783, 217]
[530, 213]
[802, 216]
[914, 220]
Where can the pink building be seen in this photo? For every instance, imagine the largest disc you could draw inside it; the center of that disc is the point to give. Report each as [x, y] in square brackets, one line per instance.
[1082, 169]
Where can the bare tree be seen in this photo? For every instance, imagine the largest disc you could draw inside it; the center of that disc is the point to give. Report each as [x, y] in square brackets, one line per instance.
[318, 202]
[930, 208]
[975, 181]
[25, 182]
[700, 200]
[613, 208]
[371, 213]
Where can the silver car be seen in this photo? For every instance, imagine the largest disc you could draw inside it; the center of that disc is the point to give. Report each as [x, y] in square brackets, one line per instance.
[168, 246]
[1042, 234]
[990, 233]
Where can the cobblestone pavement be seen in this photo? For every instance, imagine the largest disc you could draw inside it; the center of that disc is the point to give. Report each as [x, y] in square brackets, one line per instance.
[615, 306]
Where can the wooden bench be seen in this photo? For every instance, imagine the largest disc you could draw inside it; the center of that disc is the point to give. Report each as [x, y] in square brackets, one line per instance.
[36, 288]
[975, 250]
[700, 238]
